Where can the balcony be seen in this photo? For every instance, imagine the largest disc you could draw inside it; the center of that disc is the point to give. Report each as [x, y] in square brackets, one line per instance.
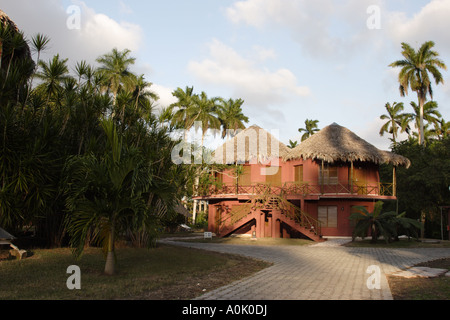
[301, 189]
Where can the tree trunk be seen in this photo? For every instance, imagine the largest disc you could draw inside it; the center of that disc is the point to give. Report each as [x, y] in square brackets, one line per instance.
[110, 259]
[421, 130]
[1, 52]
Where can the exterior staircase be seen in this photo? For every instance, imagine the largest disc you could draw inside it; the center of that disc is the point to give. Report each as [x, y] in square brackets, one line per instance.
[297, 220]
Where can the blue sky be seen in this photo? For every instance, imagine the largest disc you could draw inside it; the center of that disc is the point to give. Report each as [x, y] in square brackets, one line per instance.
[289, 60]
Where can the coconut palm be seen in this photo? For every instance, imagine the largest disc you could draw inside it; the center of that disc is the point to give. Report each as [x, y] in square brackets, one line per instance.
[115, 66]
[310, 128]
[205, 110]
[395, 120]
[182, 115]
[416, 68]
[231, 116]
[142, 93]
[430, 114]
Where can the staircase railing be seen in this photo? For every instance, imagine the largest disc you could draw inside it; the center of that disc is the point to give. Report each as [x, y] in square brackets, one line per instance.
[305, 220]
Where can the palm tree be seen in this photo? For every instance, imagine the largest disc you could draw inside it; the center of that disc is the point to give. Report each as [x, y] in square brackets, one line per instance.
[52, 75]
[429, 113]
[310, 128]
[442, 128]
[414, 75]
[105, 193]
[142, 93]
[205, 111]
[395, 120]
[292, 144]
[182, 116]
[378, 223]
[115, 67]
[231, 117]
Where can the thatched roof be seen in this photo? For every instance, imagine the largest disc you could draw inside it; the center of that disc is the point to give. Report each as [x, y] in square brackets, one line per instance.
[336, 143]
[253, 144]
[23, 53]
[5, 20]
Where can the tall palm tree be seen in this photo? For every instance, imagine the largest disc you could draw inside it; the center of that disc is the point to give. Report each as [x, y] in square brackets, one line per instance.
[182, 114]
[116, 68]
[429, 113]
[416, 68]
[395, 120]
[205, 111]
[231, 116]
[310, 128]
[142, 92]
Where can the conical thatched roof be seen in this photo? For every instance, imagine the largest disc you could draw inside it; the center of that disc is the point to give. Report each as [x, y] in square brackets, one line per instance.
[253, 144]
[336, 143]
[5, 235]
[22, 53]
[5, 20]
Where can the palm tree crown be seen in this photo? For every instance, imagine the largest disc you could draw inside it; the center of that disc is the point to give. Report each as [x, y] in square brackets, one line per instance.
[416, 68]
[310, 128]
[231, 116]
[115, 67]
[395, 120]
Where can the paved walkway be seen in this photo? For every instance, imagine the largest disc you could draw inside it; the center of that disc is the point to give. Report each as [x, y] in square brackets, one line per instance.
[326, 271]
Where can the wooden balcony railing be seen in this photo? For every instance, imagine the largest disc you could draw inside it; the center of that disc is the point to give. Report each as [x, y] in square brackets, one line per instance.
[300, 188]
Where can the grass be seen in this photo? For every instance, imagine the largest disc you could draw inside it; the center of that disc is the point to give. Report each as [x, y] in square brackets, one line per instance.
[166, 273]
[422, 288]
[403, 243]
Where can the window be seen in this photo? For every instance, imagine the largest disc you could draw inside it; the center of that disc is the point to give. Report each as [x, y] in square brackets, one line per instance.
[329, 175]
[273, 179]
[327, 215]
[298, 173]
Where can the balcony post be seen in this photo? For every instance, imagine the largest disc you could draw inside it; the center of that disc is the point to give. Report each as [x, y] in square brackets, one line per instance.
[351, 177]
[322, 178]
[394, 181]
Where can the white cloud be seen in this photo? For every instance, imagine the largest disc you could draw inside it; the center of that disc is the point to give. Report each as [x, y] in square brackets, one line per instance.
[323, 28]
[429, 23]
[98, 33]
[257, 85]
[165, 95]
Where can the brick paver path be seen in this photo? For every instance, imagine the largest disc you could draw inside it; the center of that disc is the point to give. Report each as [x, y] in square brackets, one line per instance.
[318, 272]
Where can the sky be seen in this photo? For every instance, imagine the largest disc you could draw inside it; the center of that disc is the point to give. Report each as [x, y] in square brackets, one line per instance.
[289, 60]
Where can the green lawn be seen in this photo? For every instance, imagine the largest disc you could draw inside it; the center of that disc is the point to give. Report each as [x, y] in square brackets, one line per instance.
[165, 272]
[403, 243]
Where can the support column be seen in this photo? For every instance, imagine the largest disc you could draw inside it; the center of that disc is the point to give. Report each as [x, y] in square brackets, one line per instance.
[394, 182]
[351, 177]
[322, 178]
[275, 227]
[262, 222]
